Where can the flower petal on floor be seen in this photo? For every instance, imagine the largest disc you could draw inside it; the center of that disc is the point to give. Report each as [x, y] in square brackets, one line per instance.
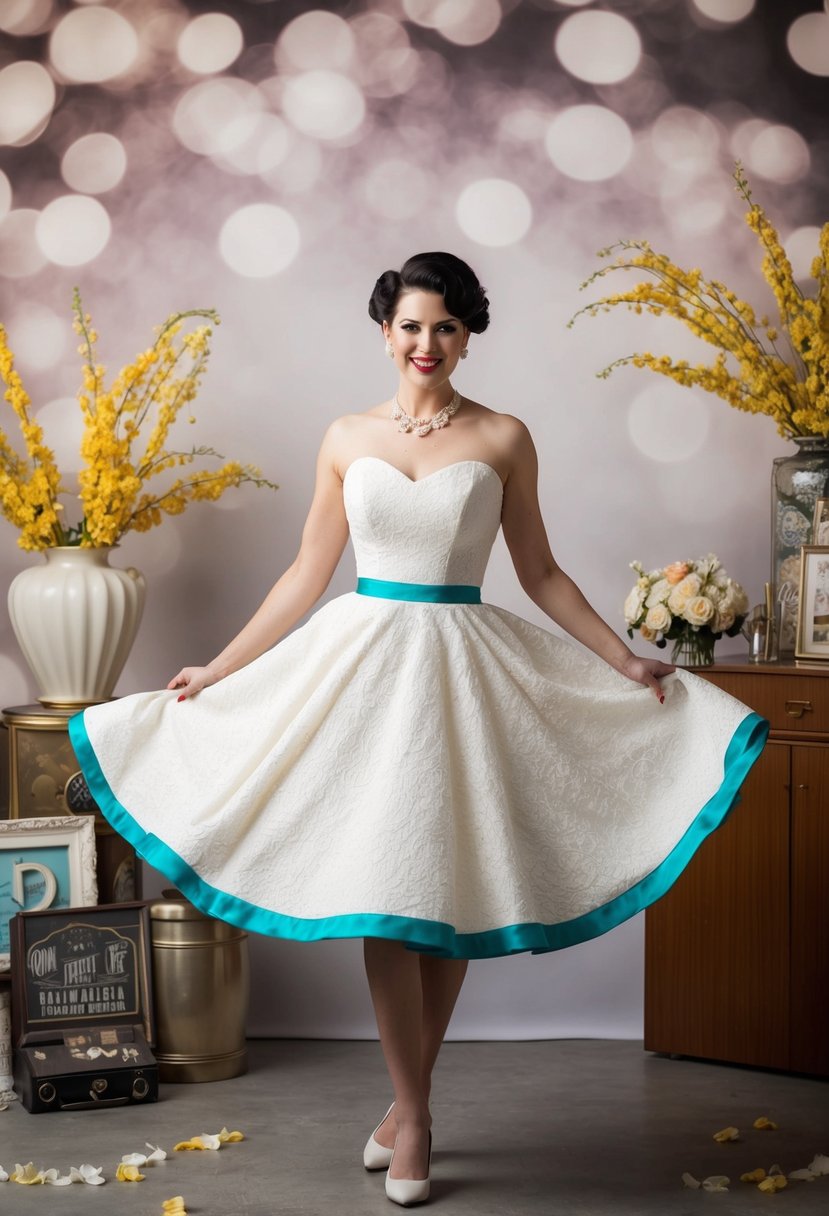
[764, 1125]
[716, 1183]
[156, 1153]
[93, 1175]
[134, 1159]
[727, 1134]
[56, 1179]
[128, 1173]
[174, 1206]
[820, 1165]
[805, 1175]
[3, 1175]
[188, 1145]
[754, 1175]
[692, 1183]
[27, 1175]
[227, 1137]
[774, 1182]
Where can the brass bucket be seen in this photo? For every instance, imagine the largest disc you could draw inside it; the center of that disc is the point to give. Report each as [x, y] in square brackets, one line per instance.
[201, 983]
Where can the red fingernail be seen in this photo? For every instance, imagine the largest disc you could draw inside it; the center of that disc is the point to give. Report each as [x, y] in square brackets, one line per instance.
[182, 697]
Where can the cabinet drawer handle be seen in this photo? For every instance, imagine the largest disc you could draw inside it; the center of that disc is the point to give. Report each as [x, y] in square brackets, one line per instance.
[796, 709]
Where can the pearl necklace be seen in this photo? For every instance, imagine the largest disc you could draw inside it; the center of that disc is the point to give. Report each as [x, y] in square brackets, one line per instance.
[422, 426]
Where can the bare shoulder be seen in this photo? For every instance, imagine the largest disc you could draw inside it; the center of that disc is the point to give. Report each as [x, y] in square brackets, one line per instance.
[348, 436]
[506, 435]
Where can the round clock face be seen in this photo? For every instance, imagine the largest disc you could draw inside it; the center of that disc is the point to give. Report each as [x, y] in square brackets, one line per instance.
[79, 800]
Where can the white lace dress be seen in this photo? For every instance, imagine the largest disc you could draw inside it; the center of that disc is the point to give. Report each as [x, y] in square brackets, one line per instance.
[442, 773]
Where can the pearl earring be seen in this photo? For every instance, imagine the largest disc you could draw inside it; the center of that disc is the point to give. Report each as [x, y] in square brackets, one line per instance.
[389, 349]
[464, 353]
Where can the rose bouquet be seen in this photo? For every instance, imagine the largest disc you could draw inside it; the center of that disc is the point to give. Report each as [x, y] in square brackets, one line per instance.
[689, 603]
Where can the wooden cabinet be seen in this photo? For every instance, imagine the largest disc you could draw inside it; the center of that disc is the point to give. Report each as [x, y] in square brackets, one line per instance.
[737, 952]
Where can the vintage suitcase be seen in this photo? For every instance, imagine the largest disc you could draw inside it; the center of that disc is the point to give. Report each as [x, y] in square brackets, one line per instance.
[82, 1010]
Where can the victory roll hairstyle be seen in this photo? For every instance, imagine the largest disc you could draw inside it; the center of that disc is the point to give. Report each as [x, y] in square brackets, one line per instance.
[442, 273]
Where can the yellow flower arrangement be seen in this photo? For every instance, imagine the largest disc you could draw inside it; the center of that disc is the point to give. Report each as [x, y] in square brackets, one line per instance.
[781, 371]
[117, 491]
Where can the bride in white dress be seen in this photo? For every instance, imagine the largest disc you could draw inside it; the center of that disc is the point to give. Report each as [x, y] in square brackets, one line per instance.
[412, 766]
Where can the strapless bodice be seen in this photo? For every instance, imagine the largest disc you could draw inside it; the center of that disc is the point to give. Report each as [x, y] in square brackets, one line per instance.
[438, 529]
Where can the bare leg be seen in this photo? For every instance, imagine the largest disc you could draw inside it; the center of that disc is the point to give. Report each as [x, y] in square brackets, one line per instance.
[395, 984]
[440, 983]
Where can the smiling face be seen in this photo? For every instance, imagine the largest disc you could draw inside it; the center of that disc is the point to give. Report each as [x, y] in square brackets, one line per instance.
[426, 339]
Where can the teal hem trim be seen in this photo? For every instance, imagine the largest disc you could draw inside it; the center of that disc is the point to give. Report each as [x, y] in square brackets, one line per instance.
[431, 937]
[421, 593]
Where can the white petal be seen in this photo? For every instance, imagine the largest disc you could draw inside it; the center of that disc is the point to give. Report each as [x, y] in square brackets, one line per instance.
[820, 1165]
[717, 1182]
[774, 1170]
[3, 1175]
[55, 1179]
[209, 1141]
[157, 1154]
[691, 1182]
[803, 1175]
[88, 1173]
[134, 1159]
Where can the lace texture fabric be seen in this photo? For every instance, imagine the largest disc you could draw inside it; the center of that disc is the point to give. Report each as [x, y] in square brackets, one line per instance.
[449, 775]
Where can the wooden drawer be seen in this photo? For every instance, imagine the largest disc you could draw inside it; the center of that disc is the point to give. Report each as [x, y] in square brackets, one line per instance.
[801, 707]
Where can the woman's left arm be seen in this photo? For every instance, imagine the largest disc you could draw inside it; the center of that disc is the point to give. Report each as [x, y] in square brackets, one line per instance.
[546, 583]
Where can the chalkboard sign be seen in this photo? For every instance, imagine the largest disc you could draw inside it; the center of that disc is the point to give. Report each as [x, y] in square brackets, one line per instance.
[81, 967]
[77, 796]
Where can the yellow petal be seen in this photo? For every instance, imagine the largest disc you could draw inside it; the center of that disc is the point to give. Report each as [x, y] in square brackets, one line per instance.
[764, 1125]
[754, 1175]
[188, 1145]
[128, 1173]
[174, 1205]
[27, 1175]
[770, 1185]
[717, 1182]
[727, 1133]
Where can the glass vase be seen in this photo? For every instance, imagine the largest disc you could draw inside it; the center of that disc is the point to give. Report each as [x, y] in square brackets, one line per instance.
[694, 649]
[797, 481]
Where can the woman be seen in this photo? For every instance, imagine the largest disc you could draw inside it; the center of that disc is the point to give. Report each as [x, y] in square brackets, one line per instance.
[413, 767]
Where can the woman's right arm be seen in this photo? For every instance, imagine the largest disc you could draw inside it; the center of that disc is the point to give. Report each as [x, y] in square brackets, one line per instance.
[323, 540]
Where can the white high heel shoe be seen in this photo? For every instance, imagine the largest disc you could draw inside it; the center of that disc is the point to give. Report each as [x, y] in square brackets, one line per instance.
[377, 1156]
[408, 1191]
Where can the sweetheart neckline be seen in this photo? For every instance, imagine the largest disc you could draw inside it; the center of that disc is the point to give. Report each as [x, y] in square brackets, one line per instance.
[415, 481]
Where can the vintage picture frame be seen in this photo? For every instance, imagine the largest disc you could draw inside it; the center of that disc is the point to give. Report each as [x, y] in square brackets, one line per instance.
[58, 853]
[812, 640]
[87, 967]
[820, 522]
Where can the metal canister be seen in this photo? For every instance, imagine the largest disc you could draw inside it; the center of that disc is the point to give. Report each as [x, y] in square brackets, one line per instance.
[201, 989]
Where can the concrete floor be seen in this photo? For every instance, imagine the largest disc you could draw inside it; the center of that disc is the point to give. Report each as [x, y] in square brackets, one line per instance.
[562, 1128]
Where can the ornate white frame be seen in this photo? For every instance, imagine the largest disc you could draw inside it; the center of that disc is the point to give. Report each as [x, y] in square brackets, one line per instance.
[76, 834]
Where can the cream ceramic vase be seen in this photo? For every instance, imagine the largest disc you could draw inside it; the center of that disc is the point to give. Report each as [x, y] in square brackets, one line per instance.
[76, 618]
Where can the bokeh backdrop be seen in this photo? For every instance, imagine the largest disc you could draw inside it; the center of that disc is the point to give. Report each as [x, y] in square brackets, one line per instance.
[270, 158]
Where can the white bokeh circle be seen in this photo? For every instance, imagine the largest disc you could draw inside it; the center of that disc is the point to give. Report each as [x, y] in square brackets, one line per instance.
[209, 43]
[90, 45]
[316, 39]
[257, 142]
[20, 254]
[779, 154]
[667, 423]
[686, 140]
[802, 247]
[493, 212]
[73, 229]
[725, 11]
[27, 97]
[94, 163]
[259, 241]
[323, 104]
[207, 116]
[467, 22]
[25, 17]
[599, 47]
[589, 143]
[808, 43]
[40, 336]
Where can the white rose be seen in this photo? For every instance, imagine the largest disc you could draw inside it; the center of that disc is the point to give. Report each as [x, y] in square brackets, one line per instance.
[659, 593]
[682, 592]
[658, 618]
[634, 604]
[698, 610]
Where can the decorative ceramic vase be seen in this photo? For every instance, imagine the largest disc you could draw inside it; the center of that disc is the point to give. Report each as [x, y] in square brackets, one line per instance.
[694, 649]
[797, 481]
[76, 618]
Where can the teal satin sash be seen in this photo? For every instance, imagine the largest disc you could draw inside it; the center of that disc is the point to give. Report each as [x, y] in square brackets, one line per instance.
[422, 593]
